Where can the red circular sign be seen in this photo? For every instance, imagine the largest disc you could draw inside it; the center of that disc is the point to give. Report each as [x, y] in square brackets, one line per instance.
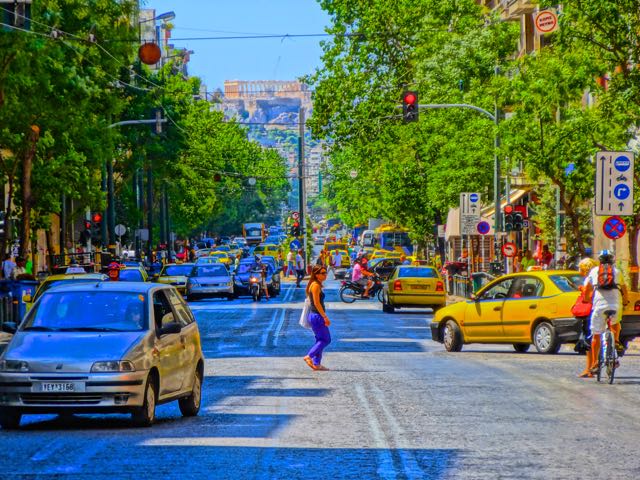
[509, 249]
[546, 21]
[149, 53]
[614, 227]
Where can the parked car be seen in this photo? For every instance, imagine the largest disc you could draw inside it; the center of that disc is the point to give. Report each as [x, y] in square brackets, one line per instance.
[104, 348]
[210, 280]
[523, 309]
[175, 274]
[413, 286]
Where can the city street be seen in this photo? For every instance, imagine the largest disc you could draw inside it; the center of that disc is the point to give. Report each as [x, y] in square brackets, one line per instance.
[395, 405]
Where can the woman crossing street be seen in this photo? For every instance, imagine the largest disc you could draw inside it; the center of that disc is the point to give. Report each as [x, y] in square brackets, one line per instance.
[317, 318]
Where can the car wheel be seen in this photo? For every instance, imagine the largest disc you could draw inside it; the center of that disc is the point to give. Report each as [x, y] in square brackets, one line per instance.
[521, 347]
[381, 296]
[190, 406]
[452, 337]
[10, 419]
[544, 338]
[145, 415]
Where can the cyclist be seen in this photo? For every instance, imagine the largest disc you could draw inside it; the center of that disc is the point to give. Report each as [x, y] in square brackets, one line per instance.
[604, 284]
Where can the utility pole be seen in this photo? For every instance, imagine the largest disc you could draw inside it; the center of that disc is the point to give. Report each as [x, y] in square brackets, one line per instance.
[111, 208]
[301, 199]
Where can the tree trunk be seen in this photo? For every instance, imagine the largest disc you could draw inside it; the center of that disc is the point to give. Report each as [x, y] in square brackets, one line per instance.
[8, 227]
[27, 168]
[574, 221]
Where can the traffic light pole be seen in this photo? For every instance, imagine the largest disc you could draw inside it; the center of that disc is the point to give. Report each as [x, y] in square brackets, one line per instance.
[495, 117]
[301, 199]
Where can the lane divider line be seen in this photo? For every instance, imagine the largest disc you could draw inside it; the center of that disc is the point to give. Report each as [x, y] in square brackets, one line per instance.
[386, 469]
[287, 299]
[265, 336]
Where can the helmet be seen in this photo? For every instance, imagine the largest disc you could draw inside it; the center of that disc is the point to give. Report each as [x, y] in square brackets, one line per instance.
[605, 256]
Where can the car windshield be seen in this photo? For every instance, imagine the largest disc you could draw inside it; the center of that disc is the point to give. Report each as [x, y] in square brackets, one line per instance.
[223, 248]
[88, 311]
[567, 283]
[177, 270]
[208, 260]
[210, 271]
[131, 276]
[417, 272]
[218, 255]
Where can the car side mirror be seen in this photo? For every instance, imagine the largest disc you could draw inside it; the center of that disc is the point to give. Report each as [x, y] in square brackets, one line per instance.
[169, 328]
[9, 327]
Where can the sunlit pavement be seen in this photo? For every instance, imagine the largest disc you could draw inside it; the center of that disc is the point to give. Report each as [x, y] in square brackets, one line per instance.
[395, 405]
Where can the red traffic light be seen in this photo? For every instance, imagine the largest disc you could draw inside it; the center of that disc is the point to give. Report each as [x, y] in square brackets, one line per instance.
[296, 224]
[508, 208]
[87, 224]
[96, 217]
[410, 98]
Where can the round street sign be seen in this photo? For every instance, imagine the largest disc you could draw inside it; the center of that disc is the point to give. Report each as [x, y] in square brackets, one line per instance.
[614, 227]
[546, 21]
[483, 228]
[120, 229]
[509, 249]
[622, 163]
[621, 191]
[295, 215]
[473, 197]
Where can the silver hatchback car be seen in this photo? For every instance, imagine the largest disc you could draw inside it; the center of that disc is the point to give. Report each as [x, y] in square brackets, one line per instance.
[103, 347]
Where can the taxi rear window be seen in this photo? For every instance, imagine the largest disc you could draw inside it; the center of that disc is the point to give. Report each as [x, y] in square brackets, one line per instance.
[417, 272]
[567, 283]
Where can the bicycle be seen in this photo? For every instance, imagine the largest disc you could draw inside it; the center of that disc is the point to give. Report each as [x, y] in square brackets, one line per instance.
[608, 358]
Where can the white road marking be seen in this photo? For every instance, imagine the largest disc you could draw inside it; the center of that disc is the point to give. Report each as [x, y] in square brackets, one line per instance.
[409, 463]
[386, 468]
[279, 311]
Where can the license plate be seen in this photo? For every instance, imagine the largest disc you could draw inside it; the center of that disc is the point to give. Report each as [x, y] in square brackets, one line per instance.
[58, 387]
[420, 287]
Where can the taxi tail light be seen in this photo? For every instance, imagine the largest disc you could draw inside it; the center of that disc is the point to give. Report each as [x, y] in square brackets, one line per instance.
[636, 306]
[397, 285]
[439, 286]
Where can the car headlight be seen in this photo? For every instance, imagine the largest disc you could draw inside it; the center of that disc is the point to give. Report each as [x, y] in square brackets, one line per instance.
[13, 366]
[113, 366]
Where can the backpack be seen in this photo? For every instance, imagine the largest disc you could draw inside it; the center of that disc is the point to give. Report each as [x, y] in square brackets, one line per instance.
[606, 279]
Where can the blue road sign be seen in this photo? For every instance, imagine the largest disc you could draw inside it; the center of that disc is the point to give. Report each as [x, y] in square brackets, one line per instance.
[473, 197]
[295, 244]
[614, 227]
[483, 228]
[622, 163]
[621, 191]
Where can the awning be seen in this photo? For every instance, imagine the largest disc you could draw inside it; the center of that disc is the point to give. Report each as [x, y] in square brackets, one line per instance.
[514, 196]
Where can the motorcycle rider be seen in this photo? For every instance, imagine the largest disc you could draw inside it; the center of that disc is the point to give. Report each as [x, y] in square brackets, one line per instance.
[360, 275]
[262, 268]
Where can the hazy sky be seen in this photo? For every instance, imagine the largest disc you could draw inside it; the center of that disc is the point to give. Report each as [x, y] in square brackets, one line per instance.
[247, 59]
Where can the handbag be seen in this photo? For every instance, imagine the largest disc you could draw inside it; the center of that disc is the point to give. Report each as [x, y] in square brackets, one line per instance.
[304, 316]
[581, 308]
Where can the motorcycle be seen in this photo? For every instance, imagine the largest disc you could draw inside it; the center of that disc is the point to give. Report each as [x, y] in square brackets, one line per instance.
[255, 285]
[352, 291]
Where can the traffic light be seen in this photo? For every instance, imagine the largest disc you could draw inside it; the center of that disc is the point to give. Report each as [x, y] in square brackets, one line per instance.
[517, 221]
[85, 235]
[508, 212]
[410, 106]
[295, 229]
[96, 227]
[2, 222]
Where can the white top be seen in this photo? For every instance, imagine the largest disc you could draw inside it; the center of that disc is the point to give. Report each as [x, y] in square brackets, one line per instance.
[290, 256]
[337, 259]
[604, 298]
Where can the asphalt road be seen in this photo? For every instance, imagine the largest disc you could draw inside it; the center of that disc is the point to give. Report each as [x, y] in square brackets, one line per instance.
[395, 405]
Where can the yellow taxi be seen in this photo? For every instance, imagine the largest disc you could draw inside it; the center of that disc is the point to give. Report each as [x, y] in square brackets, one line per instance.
[55, 280]
[267, 249]
[224, 257]
[334, 245]
[521, 309]
[175, 274]
[413, 286]
[385, 254]
[133, 274]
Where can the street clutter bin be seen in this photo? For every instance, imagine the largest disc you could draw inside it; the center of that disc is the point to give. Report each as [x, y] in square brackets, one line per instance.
[12, 306]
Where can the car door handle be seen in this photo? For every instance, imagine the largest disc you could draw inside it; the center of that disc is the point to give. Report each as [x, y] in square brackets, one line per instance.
[184, 346]
[497, 309]
[533, 306]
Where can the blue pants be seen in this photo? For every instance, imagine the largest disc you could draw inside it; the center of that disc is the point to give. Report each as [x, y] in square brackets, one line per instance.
[323, 337]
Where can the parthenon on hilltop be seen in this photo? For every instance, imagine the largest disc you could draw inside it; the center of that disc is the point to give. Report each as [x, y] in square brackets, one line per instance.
[238, 89]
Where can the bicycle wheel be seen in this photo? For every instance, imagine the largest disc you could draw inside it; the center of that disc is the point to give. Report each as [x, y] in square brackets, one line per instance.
[600, 361]
[610, 358]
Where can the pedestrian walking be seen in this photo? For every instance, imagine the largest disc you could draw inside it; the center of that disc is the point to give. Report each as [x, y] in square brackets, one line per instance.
[291, 257]
[299, 268]
[8, 265]
[317, 318]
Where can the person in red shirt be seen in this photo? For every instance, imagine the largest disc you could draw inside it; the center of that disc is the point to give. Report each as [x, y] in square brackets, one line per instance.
[546, 258]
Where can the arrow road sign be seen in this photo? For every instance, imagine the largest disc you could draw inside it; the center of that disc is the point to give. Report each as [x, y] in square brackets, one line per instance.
[614, 227]
[614, 186]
